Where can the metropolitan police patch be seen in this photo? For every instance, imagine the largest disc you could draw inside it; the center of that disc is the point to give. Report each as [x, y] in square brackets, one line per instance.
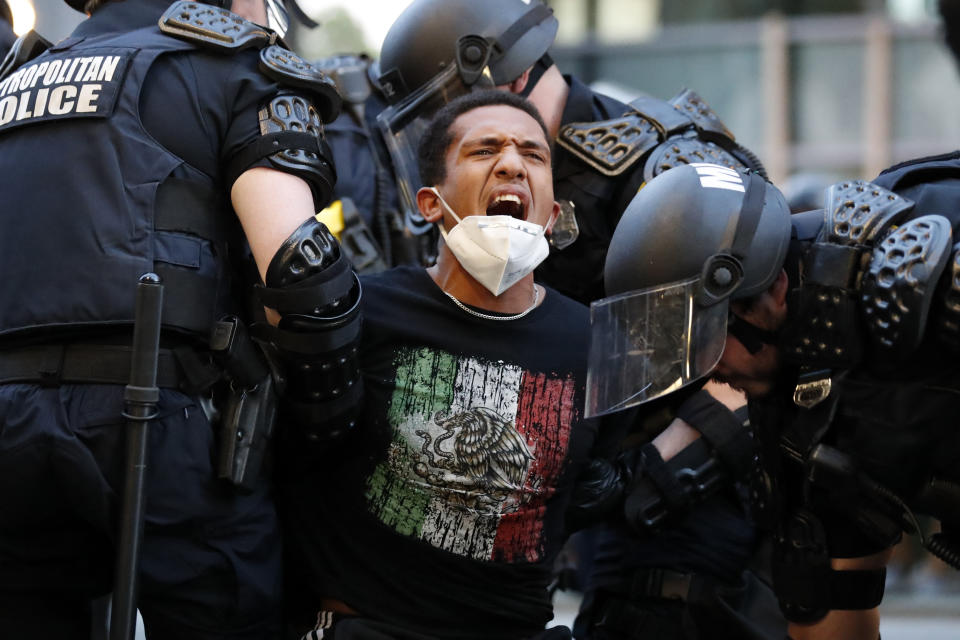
[62, 86]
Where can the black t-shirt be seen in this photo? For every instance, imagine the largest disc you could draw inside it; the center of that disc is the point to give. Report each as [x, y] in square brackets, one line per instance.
[443, 510]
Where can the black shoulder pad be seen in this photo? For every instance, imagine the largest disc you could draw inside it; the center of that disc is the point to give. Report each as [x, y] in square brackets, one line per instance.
[287, 68]
[610, 146]
[899, 286]
[858, 212]
[704, 118]
[212, 27]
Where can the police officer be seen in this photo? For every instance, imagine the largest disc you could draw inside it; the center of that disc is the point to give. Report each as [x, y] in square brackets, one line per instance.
[366, 214]
[437, 50]
[181, 140]
[843, 338]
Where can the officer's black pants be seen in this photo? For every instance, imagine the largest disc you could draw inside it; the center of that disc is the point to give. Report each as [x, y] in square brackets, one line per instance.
[746, 610]
[210, 564]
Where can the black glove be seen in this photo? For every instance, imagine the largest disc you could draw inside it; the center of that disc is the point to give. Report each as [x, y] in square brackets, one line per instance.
[599, 490]
[723, 430]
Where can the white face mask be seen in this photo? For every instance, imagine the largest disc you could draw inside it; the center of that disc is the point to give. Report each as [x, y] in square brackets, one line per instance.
[496, 250]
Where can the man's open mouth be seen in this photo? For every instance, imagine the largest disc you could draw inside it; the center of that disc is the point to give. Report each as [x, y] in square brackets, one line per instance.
[507, 204]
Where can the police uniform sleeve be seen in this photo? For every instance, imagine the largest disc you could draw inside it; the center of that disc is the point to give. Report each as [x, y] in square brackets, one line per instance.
[243, 94]
[204, 107]
[278, 105]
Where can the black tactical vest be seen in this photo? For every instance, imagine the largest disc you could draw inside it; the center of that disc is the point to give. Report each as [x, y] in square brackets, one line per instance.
[84, 212]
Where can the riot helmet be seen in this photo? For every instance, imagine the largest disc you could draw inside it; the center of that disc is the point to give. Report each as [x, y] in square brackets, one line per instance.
[438, 50]
[694, 238]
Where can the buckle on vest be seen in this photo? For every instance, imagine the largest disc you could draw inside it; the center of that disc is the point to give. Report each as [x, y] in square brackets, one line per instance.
[812, 389]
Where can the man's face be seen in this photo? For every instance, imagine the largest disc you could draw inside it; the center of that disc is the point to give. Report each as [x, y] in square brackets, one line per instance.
[752, 373]
[498, 164]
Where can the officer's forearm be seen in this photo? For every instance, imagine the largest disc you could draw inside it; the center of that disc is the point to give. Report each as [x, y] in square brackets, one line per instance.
[705, 447]
[271, 204]
[675, 438]
[679, 433]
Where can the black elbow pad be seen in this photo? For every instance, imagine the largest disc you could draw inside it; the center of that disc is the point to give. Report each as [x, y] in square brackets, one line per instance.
[311, 284]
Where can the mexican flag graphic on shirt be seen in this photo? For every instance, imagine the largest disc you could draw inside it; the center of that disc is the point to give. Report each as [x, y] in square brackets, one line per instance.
[476, 452]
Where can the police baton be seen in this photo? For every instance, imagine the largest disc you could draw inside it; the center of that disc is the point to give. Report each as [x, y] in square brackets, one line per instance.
[139, 407]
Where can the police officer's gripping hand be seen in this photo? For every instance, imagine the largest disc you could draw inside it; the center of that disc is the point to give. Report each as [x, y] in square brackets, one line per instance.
[599, 491]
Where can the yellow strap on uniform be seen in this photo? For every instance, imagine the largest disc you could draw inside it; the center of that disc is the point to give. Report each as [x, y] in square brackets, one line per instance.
[332, 216]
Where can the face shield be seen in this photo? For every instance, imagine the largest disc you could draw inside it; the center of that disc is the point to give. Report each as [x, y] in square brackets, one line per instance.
[652, 340]
[403, 124]
[647, 343]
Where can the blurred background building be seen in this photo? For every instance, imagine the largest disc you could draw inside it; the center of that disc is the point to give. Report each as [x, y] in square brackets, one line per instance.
[843, 87]
[835, 87]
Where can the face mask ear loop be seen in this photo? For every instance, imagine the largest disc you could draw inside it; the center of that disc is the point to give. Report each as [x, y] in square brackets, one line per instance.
[443, 231]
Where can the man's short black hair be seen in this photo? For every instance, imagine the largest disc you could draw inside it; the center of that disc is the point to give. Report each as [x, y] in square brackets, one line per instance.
[432, 151]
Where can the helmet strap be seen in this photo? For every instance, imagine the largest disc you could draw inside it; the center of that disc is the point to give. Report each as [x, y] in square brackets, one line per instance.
[536, 72]
[751, 209]
[537, 14]
[723, 272]
[750, 335]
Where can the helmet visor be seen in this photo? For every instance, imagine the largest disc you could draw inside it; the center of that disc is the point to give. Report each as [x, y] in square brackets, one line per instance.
[647, 343]
[402, 126]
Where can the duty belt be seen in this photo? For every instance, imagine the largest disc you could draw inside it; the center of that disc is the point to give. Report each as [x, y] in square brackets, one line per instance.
[54, 364]
[655, 583]
[639, 601]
